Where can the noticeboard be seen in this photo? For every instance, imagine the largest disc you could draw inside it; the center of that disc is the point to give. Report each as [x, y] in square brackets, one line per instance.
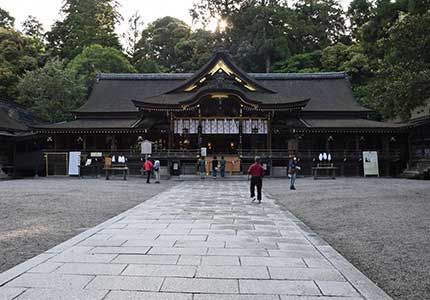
[370, 163]
[146, 147]
[74, 163]
[203, 152]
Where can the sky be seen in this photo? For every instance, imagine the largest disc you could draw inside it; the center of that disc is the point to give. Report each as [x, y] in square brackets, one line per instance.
[47, 11]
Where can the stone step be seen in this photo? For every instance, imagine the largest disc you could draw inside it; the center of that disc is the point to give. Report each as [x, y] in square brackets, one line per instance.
[198, 178]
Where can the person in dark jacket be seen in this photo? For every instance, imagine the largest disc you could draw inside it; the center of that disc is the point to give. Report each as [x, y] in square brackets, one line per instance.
[257, 173]
[222, 166]
[293, 168]
[214, 166]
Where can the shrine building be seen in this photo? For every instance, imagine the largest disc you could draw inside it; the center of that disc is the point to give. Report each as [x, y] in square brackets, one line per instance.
[233, 114]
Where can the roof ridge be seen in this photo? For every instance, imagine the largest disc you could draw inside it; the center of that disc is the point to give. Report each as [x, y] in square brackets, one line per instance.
[184, 76]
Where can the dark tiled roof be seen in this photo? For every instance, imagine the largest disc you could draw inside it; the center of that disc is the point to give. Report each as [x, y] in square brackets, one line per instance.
[14, 117]
[91, 124]
[9, 124]
[326, 91]
[350, 123]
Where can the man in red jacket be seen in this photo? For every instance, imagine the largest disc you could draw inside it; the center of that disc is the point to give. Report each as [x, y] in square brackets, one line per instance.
[257, 172]
[147, 166]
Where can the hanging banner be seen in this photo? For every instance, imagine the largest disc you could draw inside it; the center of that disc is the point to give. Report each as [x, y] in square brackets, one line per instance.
[74, 163]
[370, 163]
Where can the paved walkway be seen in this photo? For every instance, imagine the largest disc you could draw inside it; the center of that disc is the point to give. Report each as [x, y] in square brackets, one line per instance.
[196, 241]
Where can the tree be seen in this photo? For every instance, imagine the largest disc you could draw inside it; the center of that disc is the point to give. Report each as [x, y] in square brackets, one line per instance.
[318, 24]
[17, 55]
[33, 28]
[133, 35]
[301, 63]
[403, 81]
[159, 40]
[6, 20]
[86, 22]
[52, 92]
[193, 52]
[97, 59]
[260, 35]
[359, 13]
[205, 10]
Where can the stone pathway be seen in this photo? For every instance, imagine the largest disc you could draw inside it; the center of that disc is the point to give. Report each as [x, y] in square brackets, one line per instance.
[197, 241]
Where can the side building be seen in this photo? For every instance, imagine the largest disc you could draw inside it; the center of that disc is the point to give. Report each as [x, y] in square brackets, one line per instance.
[20, 152]
[233, 114]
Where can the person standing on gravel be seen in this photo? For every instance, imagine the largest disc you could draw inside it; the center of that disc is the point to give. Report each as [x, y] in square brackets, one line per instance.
[293, 168]
[257, 172]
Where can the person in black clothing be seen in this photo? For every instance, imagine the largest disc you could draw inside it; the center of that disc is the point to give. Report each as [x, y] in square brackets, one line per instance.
[214, 167]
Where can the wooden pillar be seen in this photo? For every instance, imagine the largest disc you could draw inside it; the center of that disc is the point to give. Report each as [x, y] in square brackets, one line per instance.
[171, 131]
[386, 152]
[240, 130]
[357, 149]
[269, 133]
[84, 143]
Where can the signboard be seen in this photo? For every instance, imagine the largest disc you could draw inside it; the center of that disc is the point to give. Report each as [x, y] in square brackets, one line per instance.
[96, 154]
[146, 147]
[204, 152]
[74, 163]
[370, 163]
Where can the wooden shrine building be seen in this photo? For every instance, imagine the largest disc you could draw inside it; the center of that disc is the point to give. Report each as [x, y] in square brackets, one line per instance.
[231, 113]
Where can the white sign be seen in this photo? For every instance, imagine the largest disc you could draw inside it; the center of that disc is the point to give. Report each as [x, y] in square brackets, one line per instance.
[204, 152]
[370, 163]
[146, 147]
[74, 163]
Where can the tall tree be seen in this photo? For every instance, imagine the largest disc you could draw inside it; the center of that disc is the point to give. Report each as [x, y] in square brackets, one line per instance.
[52, 92]
[6, 20]
[133, 35]
[403, 81]
[86, 22]
[158, 42]
[97, 59]
[33, 28]
[318, 24]
[260, 35]
[359, 13]
[17, 55]
[193, 52]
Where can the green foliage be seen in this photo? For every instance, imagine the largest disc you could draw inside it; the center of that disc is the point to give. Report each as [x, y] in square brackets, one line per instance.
[359, 13]
[17, 55]
[86, 22]
[301, 63]
[403, 80]
[33, 28]
[6, 20]
[97, 59]
[52, 92]
[259, 36]
[318, 24]
[158, 43]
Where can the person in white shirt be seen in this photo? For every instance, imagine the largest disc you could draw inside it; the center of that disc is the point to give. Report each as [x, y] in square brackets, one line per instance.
[157, 171]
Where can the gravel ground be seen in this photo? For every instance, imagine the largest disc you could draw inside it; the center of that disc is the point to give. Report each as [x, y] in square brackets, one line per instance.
[381, 226]
[37, 214]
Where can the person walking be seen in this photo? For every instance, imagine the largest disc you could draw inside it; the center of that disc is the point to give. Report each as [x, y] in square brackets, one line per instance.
[257, 172]
[222, 166]
[201, 167]
[147, 166]
[157, 171]
[293, 168]
[214, 167]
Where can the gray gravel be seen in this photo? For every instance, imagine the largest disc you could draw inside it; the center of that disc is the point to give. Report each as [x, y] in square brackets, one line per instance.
[37, 214]
[380, 225]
